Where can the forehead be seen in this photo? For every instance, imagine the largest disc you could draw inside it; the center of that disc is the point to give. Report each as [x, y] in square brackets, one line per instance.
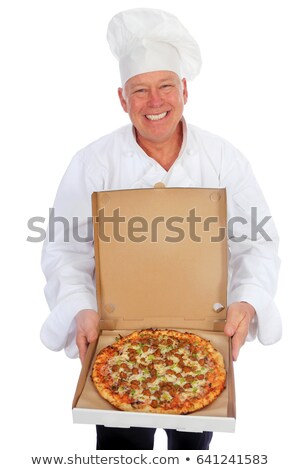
[151, 78]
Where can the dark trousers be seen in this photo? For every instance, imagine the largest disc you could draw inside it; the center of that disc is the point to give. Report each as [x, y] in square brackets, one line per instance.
[143, 439]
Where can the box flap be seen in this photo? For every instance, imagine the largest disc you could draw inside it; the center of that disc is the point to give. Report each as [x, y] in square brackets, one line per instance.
[161, 257]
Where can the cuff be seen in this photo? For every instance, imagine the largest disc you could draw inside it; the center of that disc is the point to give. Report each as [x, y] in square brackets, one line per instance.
[59, 330]
[266, 324]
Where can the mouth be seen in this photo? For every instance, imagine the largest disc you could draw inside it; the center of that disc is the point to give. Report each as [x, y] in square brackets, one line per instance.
[156, 117]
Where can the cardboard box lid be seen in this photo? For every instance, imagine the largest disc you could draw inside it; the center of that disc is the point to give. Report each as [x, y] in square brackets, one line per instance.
[161, 257]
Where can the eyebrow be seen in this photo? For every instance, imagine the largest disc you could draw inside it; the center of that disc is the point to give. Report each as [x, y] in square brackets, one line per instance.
[141, 84]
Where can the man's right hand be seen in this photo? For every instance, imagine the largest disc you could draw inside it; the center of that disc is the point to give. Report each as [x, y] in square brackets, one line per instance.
[87, 330]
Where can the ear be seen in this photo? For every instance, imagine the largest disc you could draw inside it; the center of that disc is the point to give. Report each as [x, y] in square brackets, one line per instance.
[122, 100]
[185, 91]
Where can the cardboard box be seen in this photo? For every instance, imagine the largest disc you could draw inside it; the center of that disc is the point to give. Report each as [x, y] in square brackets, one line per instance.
[161, 262]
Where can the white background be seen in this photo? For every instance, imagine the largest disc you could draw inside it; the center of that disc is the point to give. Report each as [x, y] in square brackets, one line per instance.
[58, 93]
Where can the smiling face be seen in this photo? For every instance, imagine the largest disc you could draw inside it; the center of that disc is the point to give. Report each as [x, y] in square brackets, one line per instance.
[154, 102]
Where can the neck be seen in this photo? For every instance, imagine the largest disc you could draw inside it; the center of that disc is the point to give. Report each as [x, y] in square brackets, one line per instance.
[166, 152]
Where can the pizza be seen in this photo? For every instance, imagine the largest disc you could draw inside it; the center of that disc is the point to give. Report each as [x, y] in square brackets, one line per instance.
[159, 371]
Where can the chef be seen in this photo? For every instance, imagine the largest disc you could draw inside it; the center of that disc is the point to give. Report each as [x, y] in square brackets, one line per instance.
[157, 56]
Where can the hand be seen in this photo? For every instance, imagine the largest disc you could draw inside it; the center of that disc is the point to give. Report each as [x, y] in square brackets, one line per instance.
[87, 326]
[239, 316]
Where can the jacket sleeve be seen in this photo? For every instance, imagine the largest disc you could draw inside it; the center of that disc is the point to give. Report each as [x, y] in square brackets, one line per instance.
[253, 246]
[68, 258]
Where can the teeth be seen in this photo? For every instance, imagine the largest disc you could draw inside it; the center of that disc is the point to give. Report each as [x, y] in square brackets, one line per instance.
[156, 117]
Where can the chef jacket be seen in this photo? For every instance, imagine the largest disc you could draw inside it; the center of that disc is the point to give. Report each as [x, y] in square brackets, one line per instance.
[116, 162]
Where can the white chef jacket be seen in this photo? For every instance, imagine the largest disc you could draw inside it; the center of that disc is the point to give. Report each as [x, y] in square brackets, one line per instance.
[115, 162]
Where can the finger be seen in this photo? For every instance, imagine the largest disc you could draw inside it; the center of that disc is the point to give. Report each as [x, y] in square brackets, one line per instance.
[240, 336]
[82, 345]
[92, 336]
[83, 342]
[238, 340]
[233, 321]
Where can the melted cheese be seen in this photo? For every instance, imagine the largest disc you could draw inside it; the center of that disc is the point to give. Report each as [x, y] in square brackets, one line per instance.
[161, 371]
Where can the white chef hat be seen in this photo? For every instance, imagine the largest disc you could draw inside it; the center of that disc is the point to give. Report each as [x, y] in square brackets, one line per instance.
[147, 40]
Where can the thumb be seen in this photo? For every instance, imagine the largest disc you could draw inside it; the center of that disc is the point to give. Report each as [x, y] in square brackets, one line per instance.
[92, 335]
[230, 328]
[232, 321]
[81, 342]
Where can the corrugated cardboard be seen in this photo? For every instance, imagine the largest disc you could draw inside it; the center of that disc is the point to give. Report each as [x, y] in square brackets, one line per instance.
[161, 262]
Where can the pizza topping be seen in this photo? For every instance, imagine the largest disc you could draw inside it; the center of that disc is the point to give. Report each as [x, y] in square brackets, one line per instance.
[187, 385]
[160, 370]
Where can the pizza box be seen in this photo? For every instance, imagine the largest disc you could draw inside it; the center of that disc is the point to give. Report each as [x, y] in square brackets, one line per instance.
[160, 262]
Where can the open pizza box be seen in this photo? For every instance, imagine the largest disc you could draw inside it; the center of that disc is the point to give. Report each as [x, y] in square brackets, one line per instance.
[161, 262]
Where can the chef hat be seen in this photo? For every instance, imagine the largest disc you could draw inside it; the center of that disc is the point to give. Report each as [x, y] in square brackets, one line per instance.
[148, 40]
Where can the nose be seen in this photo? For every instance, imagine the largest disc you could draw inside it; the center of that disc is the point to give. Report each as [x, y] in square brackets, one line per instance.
[155, 99]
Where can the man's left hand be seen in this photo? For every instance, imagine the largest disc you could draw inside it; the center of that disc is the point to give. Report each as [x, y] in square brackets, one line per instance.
[239, 316]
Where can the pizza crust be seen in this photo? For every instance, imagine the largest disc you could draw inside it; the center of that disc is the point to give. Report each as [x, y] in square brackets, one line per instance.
[159, 371]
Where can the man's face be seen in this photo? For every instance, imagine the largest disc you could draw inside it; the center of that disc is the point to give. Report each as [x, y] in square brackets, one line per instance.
[154, 102]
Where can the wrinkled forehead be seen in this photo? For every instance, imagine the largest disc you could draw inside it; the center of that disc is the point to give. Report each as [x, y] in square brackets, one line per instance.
[152, 79]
